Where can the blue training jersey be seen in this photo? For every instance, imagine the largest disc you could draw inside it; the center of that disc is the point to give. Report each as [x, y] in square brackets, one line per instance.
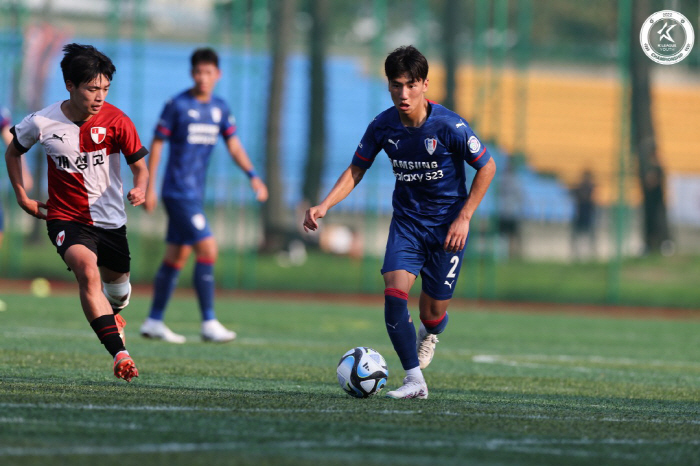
[428, 162]
[192, 128]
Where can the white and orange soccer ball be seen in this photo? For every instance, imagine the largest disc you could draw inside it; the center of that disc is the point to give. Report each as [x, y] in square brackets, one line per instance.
[362, 372]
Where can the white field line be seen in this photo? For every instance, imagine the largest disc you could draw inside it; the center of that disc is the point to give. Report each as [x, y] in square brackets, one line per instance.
[39, 332]
[524, 360]
[89, 407]
[29, 332]
[542, 360]
[555, 447]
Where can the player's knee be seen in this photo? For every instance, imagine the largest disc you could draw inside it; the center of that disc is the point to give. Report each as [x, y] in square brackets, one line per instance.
[86, 274]
[207, 257]
[207, 252]
[117, 294]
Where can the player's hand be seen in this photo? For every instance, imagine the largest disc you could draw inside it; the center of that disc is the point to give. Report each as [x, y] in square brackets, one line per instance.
[457, 235]
[259, 189]
[313, 214]
[136, 197]
[151, 200]
[32, 207]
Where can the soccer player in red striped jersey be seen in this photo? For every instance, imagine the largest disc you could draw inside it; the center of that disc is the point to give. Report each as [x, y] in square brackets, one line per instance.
[428, 146]
[85, 215]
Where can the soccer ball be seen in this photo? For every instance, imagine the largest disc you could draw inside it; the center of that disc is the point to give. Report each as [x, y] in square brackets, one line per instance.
[362, 372]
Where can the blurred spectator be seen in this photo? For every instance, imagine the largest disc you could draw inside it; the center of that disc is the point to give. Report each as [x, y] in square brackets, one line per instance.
[510, 198]
[583, 225]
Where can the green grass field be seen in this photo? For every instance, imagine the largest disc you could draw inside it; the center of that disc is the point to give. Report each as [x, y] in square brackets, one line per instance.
[506, 387]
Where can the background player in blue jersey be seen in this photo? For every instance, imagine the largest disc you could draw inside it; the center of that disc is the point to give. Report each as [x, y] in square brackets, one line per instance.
[427, 145]
[192, 122]
[6, 136]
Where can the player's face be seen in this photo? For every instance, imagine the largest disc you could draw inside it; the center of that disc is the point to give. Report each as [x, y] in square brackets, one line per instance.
[205, 77]
[407, 95]
[88, 98]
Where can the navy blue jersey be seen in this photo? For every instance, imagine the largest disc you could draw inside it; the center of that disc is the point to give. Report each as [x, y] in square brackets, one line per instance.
[192, 128]
[428, 162]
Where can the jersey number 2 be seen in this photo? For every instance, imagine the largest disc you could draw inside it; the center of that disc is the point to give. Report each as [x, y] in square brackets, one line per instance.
[455, 262]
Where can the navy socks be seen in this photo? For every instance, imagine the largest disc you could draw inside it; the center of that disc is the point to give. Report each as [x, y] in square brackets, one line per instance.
[163, 286]
[203, 281]
[401, 330]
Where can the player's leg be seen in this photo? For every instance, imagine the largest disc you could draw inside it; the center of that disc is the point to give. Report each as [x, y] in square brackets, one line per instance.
[402, 333]
[117, 289]
[433, 318]
[439, 276]
[164, 284]
[179, 238]
[402, 261]
[78, 246]
[98, 311]
[114, 264]
[206, 252]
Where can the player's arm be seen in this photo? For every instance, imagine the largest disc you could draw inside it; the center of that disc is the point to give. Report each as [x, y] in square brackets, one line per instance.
[6, 135]
[240, 156]
[457, 234]
[137, 194]
[13, 160]
[153, 162]
[344, 186]
[27, 177]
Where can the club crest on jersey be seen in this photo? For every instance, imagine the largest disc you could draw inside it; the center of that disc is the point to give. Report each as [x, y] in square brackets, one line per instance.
[216, 114]
[60, 238]
[474, 145]
[98, 134]
[430, 145]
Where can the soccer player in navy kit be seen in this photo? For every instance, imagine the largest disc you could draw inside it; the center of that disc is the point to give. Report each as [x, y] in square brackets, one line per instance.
[427, 145]
[192, 121]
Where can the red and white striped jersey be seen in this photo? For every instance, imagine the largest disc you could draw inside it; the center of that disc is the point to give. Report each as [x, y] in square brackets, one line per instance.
[84, 175]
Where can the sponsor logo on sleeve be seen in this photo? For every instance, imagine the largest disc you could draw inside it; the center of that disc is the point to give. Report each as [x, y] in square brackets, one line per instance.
[474, 145]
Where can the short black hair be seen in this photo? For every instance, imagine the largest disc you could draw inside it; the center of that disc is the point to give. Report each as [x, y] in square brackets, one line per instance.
[204, 55]
[83, 63]
[406, 60]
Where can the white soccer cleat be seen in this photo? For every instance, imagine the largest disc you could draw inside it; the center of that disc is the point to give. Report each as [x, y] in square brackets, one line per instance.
[157, 329]
[411, 388]
[425, 344]
[212, 330]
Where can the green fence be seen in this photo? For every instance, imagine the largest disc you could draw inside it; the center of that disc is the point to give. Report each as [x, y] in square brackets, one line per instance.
[477, 50]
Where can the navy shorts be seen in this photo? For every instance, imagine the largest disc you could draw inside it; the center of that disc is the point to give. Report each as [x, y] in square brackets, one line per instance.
[187, 223]
[109, 245]
[419, 249]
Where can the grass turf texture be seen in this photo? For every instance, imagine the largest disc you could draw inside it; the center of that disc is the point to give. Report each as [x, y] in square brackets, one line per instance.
[505, 388]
